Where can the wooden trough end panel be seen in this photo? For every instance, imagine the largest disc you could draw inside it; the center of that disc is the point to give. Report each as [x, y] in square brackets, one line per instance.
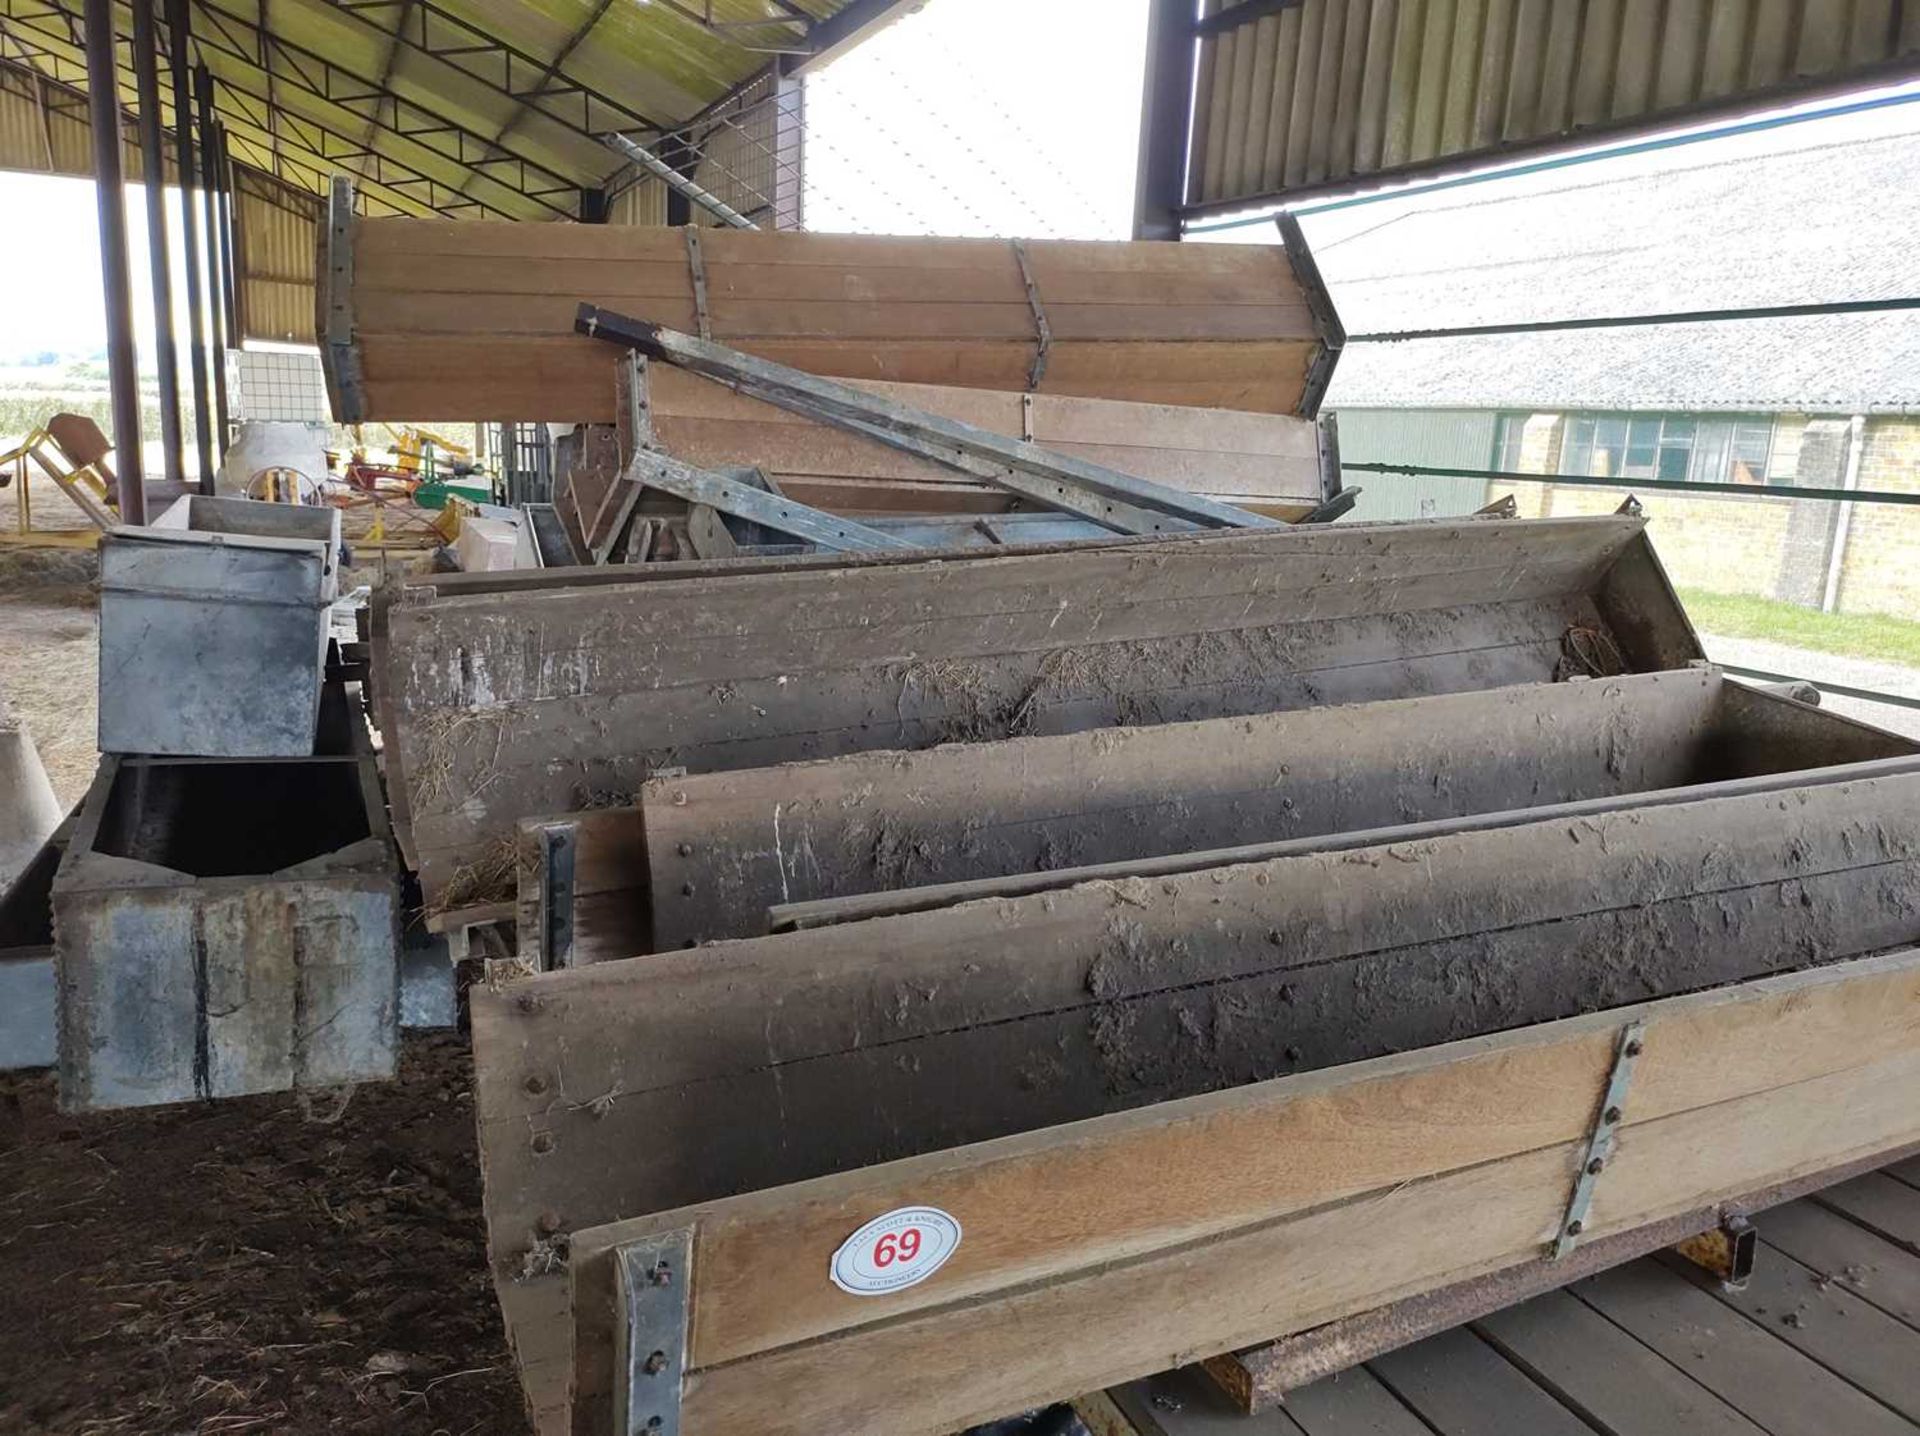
[1248, 1214]
[426, 319]
[513, 700]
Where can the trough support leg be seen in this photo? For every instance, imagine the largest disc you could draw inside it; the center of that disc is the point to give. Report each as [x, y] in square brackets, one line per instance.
[1727, 1251]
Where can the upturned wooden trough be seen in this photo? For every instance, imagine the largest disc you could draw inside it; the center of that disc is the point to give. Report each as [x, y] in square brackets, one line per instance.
[1429, 914]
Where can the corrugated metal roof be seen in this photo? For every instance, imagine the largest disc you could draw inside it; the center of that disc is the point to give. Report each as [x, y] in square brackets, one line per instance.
[275, 257]
[1292, 96]
[1816, 223]
[462, 107]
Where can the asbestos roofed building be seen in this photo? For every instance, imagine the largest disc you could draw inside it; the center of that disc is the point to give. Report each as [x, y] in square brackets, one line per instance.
[1808, 213]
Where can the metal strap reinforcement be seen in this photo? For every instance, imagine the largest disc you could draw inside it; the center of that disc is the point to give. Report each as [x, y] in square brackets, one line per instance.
[1606, 1125]
[655, 1279]
[1043, 331]
[696, 262]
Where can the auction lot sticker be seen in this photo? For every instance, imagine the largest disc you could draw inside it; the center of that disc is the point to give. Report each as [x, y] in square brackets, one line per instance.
[896, 1251]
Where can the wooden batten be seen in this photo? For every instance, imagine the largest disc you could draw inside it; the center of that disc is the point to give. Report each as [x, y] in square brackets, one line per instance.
[436, 319]
[1252, 1213]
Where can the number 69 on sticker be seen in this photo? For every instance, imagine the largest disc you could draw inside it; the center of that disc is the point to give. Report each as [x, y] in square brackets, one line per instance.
[895, 1251]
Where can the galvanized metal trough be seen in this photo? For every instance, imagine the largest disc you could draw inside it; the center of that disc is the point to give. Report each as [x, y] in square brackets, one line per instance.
[229, 926]
[213, 629]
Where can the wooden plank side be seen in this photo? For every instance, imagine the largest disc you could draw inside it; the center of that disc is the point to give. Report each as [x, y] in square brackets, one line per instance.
[644, 281]
[505, 319]
[1171, 1174]
[552, 755]
[1209, 325]
[726, 847]
[1117, 997]
[611, 746]
[979, 1359]
[562, 377]
[992, 602]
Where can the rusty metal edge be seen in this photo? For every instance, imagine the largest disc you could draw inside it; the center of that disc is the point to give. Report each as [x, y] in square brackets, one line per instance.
[339, 352]
[1333, 334]
[1256, 1379]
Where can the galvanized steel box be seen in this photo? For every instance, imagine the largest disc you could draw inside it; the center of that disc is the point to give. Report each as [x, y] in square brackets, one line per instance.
[228, 927]
[213, 629]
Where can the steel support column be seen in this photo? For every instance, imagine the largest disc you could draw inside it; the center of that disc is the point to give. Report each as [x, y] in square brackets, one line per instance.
[229, 243]
[103, 107]
[153, 165]
[1166, 120]
[179, 37]
[209, 208]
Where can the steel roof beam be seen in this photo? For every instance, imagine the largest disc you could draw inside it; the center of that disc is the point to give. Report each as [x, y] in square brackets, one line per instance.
[387, 67]
[384, 171]
[334, 83]
[482, 43]
[32, 14]
[580, 33]
[66, 97]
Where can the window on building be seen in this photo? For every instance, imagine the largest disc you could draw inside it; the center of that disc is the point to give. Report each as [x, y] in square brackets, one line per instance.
[1751, 449]
[1667, 446]
[1508, 441]
[1643, 448]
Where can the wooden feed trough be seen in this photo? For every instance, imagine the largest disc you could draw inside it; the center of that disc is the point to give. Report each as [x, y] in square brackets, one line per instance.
[438, 319]
[1546, 899]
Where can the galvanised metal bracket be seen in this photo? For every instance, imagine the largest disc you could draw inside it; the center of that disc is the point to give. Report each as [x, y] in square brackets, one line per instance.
[557, 844]
[1600, 1140]
[654, 1280]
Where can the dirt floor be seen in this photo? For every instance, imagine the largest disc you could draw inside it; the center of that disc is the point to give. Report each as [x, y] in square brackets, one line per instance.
[49, 659]
[262, 1265]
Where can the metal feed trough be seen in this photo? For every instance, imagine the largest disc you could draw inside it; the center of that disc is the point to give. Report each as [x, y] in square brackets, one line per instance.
[213, 629]
[1167, 1007]
[229, 926]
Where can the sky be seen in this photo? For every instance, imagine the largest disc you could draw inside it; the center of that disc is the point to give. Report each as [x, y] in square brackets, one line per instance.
[53, 296]
[983, 117]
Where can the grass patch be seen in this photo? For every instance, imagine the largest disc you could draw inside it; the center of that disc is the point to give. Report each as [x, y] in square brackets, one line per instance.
[1854, 635]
